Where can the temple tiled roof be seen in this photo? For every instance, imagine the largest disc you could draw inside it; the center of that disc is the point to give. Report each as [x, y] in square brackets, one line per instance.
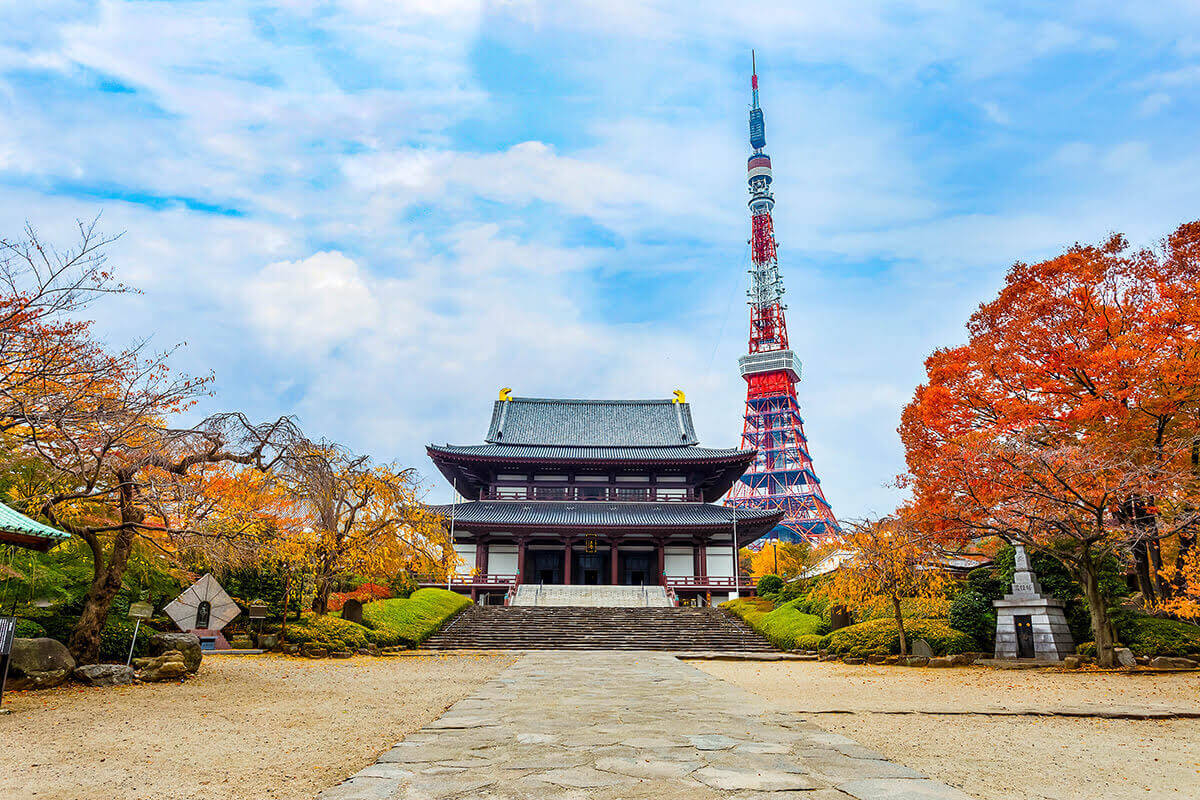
[557, 453]
[601, 514]
[18, 529]
[593, 423]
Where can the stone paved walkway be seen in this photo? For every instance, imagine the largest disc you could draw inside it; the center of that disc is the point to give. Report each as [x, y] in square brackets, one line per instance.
[606, 725]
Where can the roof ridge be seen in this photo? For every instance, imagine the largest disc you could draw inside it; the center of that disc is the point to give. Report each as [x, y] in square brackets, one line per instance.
[587, 401]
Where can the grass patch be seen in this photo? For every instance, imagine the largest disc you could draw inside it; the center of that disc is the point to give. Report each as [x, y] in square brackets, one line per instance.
[782, 625]
[410, 621]
[332, 633]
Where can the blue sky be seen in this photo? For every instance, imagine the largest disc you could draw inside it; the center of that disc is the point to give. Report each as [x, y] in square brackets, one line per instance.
[374, 215]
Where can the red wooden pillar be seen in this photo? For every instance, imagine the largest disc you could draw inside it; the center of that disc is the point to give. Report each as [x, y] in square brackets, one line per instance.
[521, 560]
[696, 558]
[567, 562]
[481, 555]
[613, 563]
[661, 551]
[702, 551]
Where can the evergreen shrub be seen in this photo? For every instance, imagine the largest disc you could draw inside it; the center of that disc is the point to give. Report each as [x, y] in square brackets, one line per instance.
[882, 637]
[1152, 636]
[782, 624]
[809, 641]
[329, 632]
[973, 614]
[769, 584]
[410, 621]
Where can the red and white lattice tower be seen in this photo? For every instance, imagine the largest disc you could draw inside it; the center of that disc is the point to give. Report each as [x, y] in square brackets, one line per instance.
[782, 476]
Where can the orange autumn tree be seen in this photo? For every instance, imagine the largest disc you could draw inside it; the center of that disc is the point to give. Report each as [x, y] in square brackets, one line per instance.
[359, 518]
[890, 558]
[1068, 421]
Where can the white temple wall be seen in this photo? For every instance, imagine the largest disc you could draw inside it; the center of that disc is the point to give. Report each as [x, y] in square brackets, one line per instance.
[677, 562]
[466, 558]
[502, 559]
[720, 561]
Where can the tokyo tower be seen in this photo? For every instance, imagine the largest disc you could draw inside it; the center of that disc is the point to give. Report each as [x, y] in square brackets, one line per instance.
[782, 475]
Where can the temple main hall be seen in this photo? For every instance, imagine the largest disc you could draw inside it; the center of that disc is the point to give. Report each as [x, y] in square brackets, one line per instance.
[597, 492]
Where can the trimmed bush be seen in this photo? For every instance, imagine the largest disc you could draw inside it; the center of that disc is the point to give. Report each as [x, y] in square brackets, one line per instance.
[781, 625]
[769, 584]
[410, 621]
[1152, 637]
[28, 629]
[972, 613]
[329, 632]
[882, 637]
[809, 641]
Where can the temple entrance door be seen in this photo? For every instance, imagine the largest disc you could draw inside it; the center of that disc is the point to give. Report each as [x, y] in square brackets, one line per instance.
[547, 566]
[635, 569]
[590, 569]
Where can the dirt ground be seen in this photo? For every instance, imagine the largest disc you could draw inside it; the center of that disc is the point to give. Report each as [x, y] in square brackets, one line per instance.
[244, 727]
[1001, 757]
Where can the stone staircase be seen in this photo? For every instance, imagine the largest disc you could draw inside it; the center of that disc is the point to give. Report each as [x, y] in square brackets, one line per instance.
[578, 628]
[591, 596]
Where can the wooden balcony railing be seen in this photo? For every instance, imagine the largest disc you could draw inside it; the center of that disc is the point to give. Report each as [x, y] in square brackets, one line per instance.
[467, 581]
[707, 582]
[586, 493]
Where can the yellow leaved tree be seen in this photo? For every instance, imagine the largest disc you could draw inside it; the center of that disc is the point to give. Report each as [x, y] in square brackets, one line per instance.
[891, 559]
[358, 518]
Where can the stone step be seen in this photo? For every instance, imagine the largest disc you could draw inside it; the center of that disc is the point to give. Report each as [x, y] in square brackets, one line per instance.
[597, 628]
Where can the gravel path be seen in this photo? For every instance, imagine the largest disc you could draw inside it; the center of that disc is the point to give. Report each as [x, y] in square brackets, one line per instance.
[1001, 758]
[245, 728]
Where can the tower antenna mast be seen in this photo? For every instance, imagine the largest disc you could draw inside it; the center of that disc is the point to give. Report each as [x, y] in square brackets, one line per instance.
[782, 475]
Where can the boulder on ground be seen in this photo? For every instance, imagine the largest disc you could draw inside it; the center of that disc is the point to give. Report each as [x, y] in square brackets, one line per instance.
[340, 654]
[38, 664]
[915, 661]
[961, 660]
[1172, 662]
[314, 652]
[168, 666]
[1072, 662]
[104, 674]
[853, 660]
[876, 659]
[186, 643]
[941, 661]
[1125, 657]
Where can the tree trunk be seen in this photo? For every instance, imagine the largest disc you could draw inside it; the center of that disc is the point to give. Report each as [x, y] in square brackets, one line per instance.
[84, 643]
[900, 625]
[1102, 628]
[1156, 566]
[1141, 568]
[320, 604]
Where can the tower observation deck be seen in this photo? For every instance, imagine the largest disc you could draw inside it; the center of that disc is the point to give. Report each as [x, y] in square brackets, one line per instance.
[782, 476]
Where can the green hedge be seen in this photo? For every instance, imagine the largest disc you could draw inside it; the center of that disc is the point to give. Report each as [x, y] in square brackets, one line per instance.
[809, 641]
[781, 625]
[882, 637]
[329, 632]
[1151, 636]
[410, 621]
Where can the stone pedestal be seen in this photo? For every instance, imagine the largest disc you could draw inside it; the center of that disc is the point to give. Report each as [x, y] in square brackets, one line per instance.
[1041, 618]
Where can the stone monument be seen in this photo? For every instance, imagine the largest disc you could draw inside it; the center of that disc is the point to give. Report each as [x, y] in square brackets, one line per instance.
[1029, 624]
[204, 609]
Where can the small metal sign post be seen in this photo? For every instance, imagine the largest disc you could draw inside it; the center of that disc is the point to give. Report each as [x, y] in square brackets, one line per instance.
[139, 612]
[257, 611]
[8, 630]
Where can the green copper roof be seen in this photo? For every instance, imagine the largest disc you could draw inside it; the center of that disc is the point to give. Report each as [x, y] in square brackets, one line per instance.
[16, 528]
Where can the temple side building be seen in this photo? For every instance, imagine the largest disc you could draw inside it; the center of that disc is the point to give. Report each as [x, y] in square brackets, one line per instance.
[615, 492]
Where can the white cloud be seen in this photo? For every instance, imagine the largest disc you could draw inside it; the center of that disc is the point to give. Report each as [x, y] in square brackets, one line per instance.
[312, 305]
